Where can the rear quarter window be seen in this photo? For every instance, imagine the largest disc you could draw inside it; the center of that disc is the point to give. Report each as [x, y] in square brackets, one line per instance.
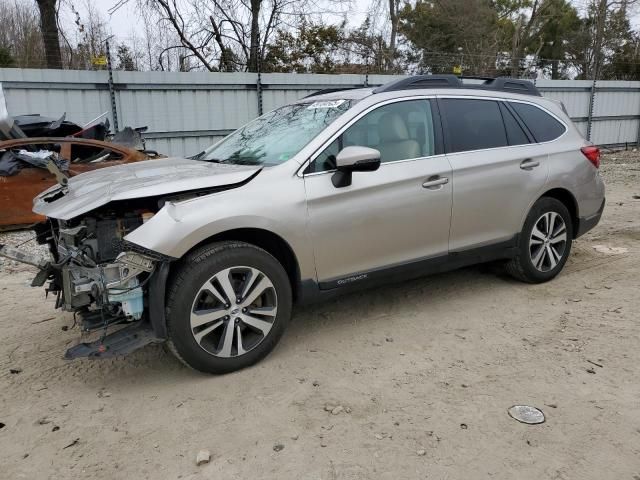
[542, 126]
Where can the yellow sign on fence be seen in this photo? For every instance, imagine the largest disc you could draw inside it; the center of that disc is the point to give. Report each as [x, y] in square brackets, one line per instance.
[102, 60]
[457, 70]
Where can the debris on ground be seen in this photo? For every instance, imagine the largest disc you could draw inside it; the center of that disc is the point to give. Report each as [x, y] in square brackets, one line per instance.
[607, 250]
[526, 414]
[72, 444]
[278, 447]
[421, 453]
[203, 457]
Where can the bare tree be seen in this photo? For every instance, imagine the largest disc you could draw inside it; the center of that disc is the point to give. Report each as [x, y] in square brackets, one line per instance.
[20, 34]
[231, 35]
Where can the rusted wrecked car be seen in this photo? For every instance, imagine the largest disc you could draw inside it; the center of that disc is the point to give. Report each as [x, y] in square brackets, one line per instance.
[35, 150]
[20, 184]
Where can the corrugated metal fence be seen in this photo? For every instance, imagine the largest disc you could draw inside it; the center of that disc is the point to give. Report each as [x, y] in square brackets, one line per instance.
[186, 112]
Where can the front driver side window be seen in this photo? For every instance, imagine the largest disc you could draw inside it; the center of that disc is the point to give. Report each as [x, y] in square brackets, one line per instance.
[400, 131]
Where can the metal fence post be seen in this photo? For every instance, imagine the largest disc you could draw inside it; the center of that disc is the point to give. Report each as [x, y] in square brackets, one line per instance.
[638, 135]
[591, 104]
[259, 90]
[112, 93]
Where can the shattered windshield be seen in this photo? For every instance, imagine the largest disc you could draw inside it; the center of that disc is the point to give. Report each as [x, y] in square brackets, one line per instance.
[277, 136]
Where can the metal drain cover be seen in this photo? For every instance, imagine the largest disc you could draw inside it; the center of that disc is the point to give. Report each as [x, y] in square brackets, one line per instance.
[526, 414]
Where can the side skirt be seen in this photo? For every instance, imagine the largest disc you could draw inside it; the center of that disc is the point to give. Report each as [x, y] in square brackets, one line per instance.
[312, 292]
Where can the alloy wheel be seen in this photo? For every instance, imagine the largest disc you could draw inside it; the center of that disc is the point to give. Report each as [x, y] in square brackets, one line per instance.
[548, 241]
[234, 311]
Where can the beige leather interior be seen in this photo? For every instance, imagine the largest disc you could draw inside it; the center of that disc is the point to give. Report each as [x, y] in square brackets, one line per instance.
[395, 142]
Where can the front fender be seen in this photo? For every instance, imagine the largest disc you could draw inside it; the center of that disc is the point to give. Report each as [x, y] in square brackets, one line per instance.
[180, 226]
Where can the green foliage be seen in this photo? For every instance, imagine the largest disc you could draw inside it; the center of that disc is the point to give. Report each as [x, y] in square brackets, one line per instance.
[445, 33]
[520, 37]
[310, 49]
[125, 58]
[6, 59]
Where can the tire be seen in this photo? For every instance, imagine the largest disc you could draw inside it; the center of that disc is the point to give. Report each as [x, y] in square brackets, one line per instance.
[212, 333]
[542, 255]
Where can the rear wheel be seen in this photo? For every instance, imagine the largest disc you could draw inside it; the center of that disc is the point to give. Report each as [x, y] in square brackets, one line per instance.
[227, 307]
[545, 242]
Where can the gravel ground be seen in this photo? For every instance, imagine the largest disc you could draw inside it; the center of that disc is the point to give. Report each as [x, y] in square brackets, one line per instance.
[423, 371]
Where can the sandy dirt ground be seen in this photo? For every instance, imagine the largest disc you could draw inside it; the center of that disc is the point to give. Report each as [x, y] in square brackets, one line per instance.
[425, 372]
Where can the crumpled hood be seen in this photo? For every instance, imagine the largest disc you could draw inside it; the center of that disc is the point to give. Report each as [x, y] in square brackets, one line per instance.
[91, 190]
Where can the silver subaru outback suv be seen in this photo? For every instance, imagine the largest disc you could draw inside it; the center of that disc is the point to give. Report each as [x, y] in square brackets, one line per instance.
[337, 191]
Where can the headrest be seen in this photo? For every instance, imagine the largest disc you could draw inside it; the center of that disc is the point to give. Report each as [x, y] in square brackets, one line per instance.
[392, 128]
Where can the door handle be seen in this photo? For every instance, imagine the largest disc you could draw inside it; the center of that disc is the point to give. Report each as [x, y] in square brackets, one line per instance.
[435, 182]
[529, 164]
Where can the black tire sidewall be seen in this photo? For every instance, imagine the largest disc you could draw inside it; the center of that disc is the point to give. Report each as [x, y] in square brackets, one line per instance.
[195, 270]
[544, 205]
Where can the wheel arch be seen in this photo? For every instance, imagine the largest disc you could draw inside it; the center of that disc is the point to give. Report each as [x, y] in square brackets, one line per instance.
[568, 200]
[271, 242]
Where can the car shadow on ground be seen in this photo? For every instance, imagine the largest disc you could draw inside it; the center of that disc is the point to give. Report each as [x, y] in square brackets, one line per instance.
[347, 313]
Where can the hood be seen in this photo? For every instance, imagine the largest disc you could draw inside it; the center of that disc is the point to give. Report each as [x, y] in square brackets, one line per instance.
[150, 178]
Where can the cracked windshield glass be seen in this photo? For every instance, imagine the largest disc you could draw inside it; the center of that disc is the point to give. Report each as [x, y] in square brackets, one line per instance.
[276, 136]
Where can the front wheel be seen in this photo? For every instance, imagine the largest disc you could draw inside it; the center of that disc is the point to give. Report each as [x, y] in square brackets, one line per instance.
[227, 307]
[545, 242]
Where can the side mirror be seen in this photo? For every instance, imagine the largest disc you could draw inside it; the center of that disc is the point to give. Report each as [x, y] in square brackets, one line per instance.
[354, 159]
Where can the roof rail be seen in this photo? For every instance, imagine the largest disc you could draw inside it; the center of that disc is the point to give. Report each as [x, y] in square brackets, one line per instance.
[503, 84]
[329, 90]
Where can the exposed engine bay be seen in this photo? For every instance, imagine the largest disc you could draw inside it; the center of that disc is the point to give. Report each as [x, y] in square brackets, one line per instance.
[95, 271]
[96, 274]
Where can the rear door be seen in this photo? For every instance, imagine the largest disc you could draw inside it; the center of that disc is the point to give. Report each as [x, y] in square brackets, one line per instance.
[391, 217]
[498, 170]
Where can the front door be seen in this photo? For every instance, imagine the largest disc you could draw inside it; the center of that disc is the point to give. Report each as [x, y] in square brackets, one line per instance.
[393, 216]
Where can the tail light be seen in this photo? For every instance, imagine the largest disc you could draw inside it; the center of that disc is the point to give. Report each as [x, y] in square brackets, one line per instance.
[593, 155]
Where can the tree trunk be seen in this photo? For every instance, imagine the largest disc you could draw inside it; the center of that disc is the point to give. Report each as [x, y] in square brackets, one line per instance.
[254, 45]
[515, 50]
[49, 30]
[597, 46]
[393, 17]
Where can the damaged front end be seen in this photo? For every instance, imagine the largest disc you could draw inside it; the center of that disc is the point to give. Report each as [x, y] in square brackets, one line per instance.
[109, 284]
[114, 286]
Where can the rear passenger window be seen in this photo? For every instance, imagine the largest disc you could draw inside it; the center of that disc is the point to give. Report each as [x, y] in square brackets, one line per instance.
[515, 134]
[473, 124]
[542, 125]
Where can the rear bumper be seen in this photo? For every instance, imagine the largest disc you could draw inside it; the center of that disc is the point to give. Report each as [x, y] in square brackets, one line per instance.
[587, 223]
